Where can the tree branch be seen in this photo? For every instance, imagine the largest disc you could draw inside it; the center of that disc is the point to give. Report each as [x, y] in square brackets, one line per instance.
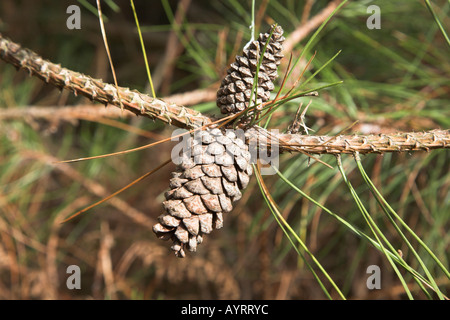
[97, 90]
[171, 113]
[304, 29]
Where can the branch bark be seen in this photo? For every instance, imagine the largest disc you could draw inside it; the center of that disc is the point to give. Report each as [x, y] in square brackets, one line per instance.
[180, 116]
[97, 90]
[304, 29]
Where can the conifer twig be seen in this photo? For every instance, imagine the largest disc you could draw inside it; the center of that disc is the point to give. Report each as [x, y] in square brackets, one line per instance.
[180, 116]
[97, 90]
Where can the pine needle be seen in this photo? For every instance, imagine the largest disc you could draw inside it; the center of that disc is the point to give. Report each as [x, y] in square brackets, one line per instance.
[105, 41]
[117, 192]
[143, 49]
[226, 119]
[284, 224]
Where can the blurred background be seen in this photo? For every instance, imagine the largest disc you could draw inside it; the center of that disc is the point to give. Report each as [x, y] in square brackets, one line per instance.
[394, 79]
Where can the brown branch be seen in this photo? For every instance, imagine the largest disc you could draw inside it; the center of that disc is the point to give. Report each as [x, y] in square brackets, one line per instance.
[193, 97]
[304, 29]
[171, 113]
[164, 71]
[97, 90]
[69, 113]
[381, 143]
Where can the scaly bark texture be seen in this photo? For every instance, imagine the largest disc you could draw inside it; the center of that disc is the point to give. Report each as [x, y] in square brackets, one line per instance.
[97, 90]
[144, 105]
[235, 92]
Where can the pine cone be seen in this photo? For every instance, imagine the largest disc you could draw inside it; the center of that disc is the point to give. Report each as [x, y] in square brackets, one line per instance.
[204, 186]
[234, 93]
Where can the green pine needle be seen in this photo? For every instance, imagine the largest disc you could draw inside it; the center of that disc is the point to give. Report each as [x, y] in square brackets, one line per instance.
[143, 49]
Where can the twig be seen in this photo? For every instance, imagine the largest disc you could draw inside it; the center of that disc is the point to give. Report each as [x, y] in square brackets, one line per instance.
[381, 143]
[95, 89]
[304, 29]
[183, 117]
[93, 187]
[94, 110]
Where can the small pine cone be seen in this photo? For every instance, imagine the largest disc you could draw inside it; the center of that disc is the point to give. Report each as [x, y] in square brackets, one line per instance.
[204, 186]
[234, 93]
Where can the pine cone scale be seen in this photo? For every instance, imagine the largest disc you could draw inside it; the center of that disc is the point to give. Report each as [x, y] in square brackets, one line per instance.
[242, 71]
[212, 173]
[201, 191]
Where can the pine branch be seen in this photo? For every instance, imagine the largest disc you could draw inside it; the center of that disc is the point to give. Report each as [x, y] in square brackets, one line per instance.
[171, 113]
[381, 143]
[68, 113]
[97, 90]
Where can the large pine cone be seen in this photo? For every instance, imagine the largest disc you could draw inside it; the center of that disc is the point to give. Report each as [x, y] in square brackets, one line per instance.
[234, 93]
[206, 183]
